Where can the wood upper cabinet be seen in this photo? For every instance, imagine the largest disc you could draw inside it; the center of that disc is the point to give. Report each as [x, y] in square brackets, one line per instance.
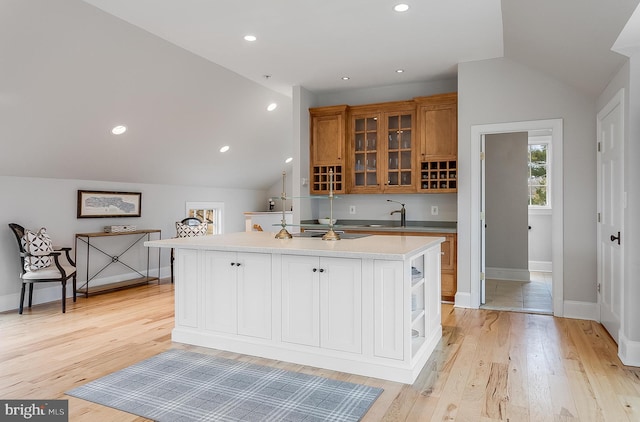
[327, 148]
[394, 147]
[437, 124]
[381, 148]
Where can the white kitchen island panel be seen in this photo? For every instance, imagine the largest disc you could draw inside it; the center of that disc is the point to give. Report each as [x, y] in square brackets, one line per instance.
[368, 306]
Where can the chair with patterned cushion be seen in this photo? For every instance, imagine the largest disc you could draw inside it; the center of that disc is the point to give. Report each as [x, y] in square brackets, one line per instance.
[40, 262]
[188, 227]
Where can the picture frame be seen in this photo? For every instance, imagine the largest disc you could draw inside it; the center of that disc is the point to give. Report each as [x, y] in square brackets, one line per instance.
[102, 204]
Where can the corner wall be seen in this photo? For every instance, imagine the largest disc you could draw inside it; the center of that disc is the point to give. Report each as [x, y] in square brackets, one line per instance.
[501, 91]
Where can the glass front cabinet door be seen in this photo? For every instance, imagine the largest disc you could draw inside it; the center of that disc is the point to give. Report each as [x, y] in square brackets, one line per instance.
[400, 150]
[382, 150]
[365, 153]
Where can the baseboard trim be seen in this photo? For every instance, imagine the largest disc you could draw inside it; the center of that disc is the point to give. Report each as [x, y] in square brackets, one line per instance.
[50, 292]
[628, 350]
[462, 300]
[541, 266]
[44, 294]
[581, 310]
[512, 274]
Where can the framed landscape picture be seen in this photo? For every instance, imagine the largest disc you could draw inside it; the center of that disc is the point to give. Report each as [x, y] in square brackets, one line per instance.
[96, 204]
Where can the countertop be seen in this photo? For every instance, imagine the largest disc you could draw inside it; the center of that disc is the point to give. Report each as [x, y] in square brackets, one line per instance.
[386, 226]
[373, 247]
[267, 212]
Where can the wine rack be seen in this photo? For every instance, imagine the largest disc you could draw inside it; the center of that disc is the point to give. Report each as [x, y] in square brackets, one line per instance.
[439, 176]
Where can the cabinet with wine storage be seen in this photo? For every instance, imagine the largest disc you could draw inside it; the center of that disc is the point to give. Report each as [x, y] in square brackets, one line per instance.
[328, 127]
[437, 120]
[393, 147]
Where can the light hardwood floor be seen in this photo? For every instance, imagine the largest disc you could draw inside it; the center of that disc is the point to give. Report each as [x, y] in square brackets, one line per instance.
[489, 365]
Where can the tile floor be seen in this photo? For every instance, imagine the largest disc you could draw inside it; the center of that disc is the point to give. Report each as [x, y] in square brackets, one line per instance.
[521, 296]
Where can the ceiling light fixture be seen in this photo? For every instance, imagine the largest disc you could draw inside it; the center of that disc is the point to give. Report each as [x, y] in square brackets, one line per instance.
[250, 38]
[224, 148]
[288, 160]
[119, 130]
[272, 106]
[345, 78]
[401, 7]
[400, 71]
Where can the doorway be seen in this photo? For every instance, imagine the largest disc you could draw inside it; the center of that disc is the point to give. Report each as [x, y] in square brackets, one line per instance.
[478, 132]
[517, 226]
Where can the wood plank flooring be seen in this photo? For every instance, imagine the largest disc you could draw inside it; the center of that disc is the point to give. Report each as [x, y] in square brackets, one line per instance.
[489, 365]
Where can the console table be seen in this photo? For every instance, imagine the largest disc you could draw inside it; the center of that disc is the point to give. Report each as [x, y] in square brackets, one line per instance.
[137, 237]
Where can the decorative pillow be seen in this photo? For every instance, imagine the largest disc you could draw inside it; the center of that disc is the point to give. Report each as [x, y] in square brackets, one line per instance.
[185, 230]
[39, 245]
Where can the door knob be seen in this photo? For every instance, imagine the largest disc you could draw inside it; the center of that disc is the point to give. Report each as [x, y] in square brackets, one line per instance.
[614, 238]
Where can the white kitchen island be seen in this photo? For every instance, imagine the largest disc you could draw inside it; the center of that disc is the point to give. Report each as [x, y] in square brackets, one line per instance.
[367, 306]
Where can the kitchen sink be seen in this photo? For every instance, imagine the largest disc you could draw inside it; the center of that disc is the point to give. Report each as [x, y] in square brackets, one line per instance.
[320, 234]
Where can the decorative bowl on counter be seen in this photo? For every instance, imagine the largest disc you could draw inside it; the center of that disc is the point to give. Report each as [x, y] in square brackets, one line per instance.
[327, 220]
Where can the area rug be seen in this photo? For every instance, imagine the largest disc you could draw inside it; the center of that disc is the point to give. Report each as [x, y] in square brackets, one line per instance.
[179, 385]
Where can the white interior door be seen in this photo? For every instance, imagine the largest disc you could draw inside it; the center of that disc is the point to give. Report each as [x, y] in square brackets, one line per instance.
[611, 212]
[483, 224]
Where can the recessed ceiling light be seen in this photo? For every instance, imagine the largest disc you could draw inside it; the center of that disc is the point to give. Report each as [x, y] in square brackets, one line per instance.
[250, 38]
[272, 106]
[400, 71]
[345, 78]
[224, 148]
[401, 7]
[288, 160]
[119, 130]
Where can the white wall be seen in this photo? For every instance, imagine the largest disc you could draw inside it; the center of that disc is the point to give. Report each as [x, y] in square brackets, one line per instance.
[540, 242]
[376, 207]
[52, 203]
[302, 101]
[499, 91]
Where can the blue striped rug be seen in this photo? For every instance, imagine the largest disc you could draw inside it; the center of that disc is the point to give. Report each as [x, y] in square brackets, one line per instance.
[179, 385]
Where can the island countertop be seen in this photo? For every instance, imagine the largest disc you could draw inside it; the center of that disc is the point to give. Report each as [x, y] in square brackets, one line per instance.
[373, 247]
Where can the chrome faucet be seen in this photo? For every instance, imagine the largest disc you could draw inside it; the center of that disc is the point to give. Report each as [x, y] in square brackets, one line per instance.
[402, 211]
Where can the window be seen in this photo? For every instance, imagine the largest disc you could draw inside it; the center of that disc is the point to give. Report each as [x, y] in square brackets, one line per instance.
[539, 173]
[211, 212]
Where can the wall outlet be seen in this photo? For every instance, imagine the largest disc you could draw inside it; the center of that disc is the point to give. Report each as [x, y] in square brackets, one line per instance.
[434, 210]
[352, 209]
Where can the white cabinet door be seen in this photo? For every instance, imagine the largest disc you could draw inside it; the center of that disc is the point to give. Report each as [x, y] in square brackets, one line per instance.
[389, 297]
[254, 294]
[237, 290]
[322, 302]
[300, 300]
[220, 292]
[341, 304]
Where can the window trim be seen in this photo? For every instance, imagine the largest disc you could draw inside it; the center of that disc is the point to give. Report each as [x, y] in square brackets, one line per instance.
[217, 207]
[540, 140]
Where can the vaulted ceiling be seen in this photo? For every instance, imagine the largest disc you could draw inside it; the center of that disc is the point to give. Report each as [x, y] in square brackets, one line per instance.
[180, 75]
